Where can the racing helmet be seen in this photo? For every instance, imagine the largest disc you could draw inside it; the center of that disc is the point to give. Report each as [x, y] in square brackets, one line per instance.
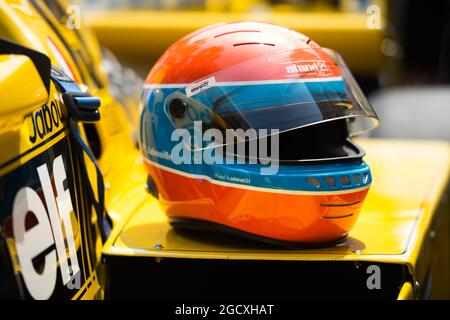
[246, 127]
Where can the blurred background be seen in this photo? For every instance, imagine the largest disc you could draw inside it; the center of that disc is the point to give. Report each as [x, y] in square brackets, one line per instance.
[398, 50]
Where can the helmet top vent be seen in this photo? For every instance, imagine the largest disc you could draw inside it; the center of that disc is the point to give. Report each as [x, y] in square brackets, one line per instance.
[232, 32]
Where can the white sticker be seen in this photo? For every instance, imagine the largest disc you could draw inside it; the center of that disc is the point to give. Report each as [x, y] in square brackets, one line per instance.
[200, 86]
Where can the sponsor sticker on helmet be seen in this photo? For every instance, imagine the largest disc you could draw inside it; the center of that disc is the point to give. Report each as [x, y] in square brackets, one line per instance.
[308, 67]
[200, 86]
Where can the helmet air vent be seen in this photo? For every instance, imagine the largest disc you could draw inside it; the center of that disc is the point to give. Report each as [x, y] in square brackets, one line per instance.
[365, 178]
[250, 43]
[331, 181]
[313, 181]
[232, 32]
[345, 181]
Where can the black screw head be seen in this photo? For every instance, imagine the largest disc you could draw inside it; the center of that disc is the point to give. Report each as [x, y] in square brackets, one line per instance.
[177, 108]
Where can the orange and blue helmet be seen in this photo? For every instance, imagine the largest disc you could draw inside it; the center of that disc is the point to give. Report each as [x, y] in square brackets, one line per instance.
[247, 127]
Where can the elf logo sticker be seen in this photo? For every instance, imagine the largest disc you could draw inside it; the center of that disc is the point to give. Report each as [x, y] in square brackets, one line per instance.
[50, 230]
[308, 67]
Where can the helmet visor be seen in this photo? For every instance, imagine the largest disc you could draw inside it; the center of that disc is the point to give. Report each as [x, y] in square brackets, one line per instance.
[273, 94]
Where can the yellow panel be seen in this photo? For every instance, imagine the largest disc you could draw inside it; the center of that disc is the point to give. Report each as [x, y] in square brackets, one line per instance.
[406, 292]
[140, 37]
[409, 179]
[16, 69]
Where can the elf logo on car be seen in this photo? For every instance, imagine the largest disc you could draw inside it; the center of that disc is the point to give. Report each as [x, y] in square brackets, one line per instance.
[47, 233]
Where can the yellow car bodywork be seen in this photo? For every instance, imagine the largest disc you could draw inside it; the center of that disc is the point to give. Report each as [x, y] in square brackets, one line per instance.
[18, 151]
[21, 23]
[32, 25]
[404, 221]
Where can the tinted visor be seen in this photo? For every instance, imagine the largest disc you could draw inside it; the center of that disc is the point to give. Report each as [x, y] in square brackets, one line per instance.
[275, 93]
